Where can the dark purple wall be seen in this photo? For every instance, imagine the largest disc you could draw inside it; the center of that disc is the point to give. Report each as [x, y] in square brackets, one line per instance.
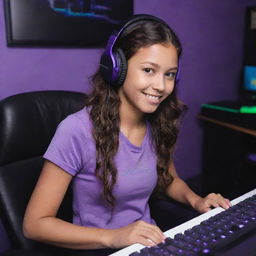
[212, 36]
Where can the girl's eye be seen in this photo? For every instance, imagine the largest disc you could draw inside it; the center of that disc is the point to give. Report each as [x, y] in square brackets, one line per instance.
[171, 75]
[148, 70]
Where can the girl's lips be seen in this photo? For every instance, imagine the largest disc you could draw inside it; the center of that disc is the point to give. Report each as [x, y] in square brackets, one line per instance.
[153, 98]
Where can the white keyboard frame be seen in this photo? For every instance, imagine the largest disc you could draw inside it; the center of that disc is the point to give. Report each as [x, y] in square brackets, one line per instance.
[186, 225]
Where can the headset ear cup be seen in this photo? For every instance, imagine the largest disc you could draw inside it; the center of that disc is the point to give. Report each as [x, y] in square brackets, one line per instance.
[122, 63]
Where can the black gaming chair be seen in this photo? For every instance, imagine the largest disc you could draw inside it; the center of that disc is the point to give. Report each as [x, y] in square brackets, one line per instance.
[27, 124]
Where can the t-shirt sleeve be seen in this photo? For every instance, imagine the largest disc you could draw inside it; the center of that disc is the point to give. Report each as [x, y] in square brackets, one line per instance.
[66, 147]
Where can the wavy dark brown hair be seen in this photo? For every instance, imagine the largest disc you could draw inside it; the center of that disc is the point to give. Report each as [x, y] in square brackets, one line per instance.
[104, 106]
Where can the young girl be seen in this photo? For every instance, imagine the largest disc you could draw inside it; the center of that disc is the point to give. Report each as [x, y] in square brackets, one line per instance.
[118, 149]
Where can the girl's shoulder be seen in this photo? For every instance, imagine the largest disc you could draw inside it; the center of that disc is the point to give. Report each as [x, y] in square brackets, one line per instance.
[77, 123]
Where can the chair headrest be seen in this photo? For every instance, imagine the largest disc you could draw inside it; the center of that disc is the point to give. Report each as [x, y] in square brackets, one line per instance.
[28, 121]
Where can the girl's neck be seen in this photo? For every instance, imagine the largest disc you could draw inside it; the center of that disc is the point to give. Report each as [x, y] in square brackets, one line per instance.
[133, 126]
[131, 118]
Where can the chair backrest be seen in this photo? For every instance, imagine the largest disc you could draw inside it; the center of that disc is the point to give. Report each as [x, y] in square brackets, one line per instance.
[27, 124]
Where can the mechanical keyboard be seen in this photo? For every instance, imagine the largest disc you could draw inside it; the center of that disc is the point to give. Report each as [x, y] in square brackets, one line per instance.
[219, 232]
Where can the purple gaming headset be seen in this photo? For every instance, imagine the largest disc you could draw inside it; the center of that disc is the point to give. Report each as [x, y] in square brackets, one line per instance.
[113, 64]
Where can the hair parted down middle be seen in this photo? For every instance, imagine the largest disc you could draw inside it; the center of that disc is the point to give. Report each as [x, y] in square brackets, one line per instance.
[104, 104]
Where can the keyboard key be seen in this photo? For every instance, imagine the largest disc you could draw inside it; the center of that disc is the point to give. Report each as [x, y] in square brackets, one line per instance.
[135, 254]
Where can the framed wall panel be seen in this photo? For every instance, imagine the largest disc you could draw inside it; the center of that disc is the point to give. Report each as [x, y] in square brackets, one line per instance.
[63, 23]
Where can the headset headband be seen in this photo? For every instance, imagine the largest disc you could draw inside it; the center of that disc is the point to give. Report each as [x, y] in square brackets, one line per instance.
[135, 18]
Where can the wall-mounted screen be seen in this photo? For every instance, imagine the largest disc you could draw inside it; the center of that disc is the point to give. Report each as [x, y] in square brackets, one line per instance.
[77, 23]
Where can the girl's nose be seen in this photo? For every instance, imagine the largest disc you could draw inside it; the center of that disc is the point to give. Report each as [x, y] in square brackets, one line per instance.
[159, 83]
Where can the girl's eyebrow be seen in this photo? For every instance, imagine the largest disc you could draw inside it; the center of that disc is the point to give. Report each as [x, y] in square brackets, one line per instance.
[158, 66]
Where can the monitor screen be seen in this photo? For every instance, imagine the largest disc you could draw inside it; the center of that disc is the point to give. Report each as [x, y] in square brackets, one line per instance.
[64, 23]
[249, 82]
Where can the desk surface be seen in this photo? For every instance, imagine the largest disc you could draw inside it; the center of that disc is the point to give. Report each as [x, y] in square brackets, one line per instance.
[229, 125]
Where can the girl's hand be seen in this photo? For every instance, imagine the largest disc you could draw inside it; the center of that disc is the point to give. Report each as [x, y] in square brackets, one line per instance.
[212, 200]
[137, 232]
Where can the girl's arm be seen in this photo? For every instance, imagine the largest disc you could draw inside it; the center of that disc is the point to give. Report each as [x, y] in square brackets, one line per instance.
[179, 191]
[40, 221]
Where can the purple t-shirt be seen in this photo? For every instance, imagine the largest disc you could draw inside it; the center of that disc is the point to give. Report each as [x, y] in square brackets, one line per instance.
[73, 149]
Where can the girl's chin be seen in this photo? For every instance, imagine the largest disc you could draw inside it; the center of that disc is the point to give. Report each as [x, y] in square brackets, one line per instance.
[149, 110]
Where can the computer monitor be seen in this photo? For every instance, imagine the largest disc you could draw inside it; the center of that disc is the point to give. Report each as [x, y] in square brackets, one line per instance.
[248, 83]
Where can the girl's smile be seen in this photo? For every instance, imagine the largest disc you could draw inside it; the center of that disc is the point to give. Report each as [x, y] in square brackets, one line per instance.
[153, 99]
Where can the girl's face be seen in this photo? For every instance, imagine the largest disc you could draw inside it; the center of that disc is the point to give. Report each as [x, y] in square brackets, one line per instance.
[150, 78]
